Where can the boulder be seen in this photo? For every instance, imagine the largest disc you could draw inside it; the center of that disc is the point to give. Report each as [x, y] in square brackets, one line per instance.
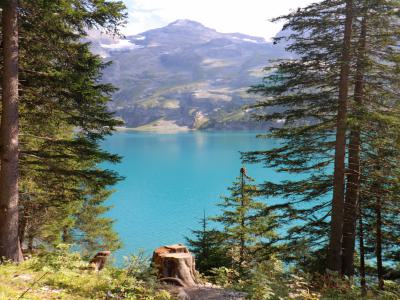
[392, 275]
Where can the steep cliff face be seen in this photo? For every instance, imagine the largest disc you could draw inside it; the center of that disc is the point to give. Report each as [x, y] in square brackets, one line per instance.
[185, 74]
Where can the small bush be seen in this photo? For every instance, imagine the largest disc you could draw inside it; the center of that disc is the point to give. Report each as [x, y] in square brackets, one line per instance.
[223, 276]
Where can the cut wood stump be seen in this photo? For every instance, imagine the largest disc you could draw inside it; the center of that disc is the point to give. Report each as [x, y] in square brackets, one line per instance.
[175, 265]
[99, 260]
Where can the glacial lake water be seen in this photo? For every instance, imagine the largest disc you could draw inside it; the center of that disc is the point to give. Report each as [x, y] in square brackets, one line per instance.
[170, 179]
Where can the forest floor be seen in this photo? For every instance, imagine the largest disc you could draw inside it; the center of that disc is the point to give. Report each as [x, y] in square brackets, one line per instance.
[206, 293]
[19, 283]
[68, 279]
[34, 280]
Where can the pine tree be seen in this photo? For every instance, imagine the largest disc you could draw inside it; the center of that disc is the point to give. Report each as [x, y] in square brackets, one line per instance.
[72, 79]
[9, 130]
[375, 62]
[334, 259]
[208, 247]
[379, 193]
[246, 229]
[63, 119]
[92, 230]
[353, 177]
[379, 134]
[302, 91]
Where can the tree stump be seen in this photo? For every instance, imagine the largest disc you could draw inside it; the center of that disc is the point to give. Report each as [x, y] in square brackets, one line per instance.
[99, 260]
[175, 265]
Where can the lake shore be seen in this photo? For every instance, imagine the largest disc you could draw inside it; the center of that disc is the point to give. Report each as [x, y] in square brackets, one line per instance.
[159, 126]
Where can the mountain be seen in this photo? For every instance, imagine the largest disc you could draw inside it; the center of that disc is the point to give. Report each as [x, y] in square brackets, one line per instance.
[185, 75]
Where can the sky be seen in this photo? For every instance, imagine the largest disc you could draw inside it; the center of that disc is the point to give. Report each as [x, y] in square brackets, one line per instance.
[250, 17]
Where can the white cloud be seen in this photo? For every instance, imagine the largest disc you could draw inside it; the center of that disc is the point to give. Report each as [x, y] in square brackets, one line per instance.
[249, 17]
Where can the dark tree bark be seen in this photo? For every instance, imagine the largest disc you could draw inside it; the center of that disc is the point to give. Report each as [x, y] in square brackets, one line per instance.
[242, 222]
[9, 173]
[334, 262]
[362, 250]
[23, 224]
[379, 265]
[354, 148]
[30, 243]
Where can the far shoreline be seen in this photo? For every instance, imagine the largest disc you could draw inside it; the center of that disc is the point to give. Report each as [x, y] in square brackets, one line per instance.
[189, 130]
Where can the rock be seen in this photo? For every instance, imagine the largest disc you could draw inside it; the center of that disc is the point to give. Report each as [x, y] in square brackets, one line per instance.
[48, 289]
[175, 265]
[182, 295]
[110, 295]
[99, 260]
[24, 277]
[204, 293]
[392, 275]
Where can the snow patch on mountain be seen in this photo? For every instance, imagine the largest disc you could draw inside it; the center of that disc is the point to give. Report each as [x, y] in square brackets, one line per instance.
[121, 44]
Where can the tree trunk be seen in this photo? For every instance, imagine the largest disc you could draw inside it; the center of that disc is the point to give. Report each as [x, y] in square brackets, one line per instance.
[379, 265]
[9, 173]
[176, 265]
[30, 243]
[242, 224]
[204, 247]
[23, 224]
[353, 179]
[362, 250]
[336, 230]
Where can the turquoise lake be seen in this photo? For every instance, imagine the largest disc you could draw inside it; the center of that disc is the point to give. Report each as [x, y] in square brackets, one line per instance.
[170, 179]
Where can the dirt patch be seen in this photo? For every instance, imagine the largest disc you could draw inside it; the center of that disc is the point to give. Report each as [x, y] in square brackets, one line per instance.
[206, 293]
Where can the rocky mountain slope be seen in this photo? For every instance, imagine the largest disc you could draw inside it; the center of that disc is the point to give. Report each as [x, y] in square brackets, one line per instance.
[185, 76]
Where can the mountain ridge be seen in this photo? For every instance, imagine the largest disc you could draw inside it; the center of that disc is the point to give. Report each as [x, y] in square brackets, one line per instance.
[185, 74]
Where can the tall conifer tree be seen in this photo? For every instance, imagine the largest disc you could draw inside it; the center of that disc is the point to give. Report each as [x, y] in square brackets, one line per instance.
[302, 92]
[9, 130]
[63, 118]
[353, 177]
[334, 262]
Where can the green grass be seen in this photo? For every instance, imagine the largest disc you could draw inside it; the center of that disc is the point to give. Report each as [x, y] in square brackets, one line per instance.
[63, 275]
[233, 116]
